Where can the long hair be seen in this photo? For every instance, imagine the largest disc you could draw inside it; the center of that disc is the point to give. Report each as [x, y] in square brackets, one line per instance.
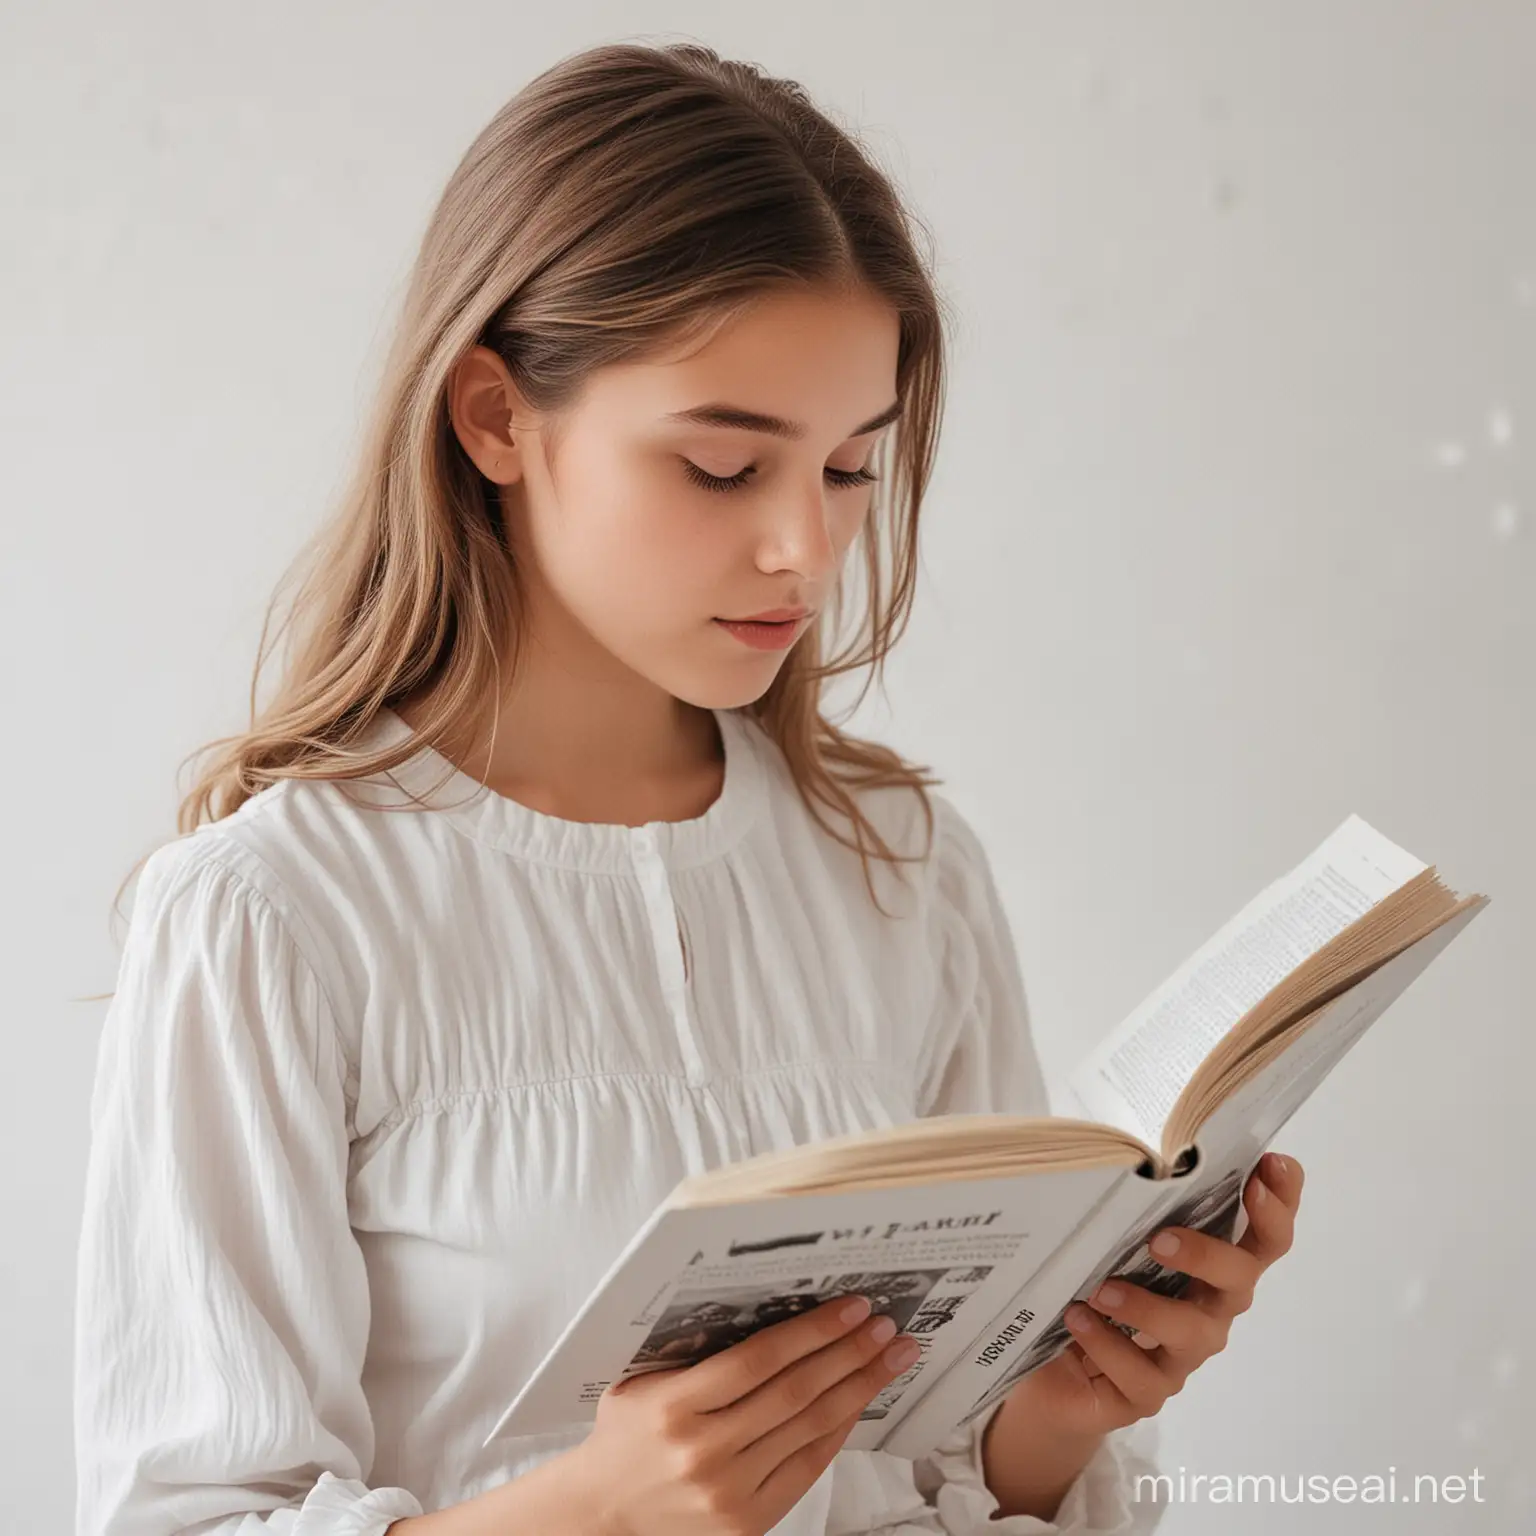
[627, 197]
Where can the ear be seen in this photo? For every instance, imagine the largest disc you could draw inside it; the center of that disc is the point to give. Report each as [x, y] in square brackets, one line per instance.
[483, 402]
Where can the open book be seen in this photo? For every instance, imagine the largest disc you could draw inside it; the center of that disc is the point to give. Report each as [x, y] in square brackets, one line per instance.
[975, 1232]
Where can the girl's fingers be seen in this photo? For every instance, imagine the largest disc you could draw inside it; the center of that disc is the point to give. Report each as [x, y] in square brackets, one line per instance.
[1180, 1327]
[1133, 1383]
[1224, 1273]
[1284, 1175]
[1272, 1196]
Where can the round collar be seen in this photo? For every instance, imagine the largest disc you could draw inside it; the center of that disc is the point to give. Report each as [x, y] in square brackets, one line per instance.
[500, 822]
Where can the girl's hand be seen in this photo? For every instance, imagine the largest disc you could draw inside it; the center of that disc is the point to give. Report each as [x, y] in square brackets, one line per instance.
[1105, 1380]
[730, 1443]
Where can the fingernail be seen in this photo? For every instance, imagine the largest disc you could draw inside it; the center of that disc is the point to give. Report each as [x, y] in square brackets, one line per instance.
[1283, 1166]
[902, 1353]
[855, 1311]
[1165, 1243]
[1110, 1295]
[1260, 1192]
[1077, 1317]
[882, 1328]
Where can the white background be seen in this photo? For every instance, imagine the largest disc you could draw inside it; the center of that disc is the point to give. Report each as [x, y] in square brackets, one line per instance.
[1234, 532]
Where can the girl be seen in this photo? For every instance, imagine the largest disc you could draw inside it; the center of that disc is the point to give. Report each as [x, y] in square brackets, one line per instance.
[542, 883]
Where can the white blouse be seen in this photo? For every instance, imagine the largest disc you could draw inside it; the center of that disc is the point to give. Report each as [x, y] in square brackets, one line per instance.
[382, 1092]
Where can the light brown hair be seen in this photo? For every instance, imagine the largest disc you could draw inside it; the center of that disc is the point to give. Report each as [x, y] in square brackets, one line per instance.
[627, 197]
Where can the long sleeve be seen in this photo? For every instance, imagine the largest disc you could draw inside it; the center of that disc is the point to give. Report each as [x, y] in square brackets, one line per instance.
[222, 1305]
[985, 1062]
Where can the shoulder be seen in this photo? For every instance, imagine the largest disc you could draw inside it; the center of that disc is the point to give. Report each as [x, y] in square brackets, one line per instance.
[219, 967]
[277, 873]
[238, 859]
[204, 870]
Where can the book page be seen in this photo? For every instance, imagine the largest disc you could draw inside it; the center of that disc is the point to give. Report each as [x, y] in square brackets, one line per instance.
[1250, 1118]
[939, 1259]
[1134, 1078]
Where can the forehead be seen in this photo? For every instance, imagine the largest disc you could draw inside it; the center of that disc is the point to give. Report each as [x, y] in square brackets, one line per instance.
[807, 360]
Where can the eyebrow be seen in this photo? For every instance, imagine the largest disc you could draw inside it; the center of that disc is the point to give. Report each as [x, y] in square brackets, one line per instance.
[719, 414]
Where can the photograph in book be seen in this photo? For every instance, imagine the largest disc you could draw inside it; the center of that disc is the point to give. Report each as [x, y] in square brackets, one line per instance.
[699, 1323]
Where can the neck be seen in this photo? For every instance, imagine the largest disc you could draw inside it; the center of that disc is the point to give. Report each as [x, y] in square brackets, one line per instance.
[599, 752]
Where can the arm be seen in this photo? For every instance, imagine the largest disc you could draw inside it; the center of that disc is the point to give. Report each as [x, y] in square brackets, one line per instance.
[551, 1498]
[222, 1303]
[1029, 1477]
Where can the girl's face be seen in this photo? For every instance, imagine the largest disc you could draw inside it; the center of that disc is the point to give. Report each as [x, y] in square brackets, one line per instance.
[631, 552]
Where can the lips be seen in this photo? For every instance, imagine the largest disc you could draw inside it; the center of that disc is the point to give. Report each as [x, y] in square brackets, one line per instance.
[772, 616]
[765, 635]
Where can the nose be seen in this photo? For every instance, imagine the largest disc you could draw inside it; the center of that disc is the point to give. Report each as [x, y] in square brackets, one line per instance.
[802, 537]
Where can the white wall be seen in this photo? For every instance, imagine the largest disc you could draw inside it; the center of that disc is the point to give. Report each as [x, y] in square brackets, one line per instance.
[1239, 283]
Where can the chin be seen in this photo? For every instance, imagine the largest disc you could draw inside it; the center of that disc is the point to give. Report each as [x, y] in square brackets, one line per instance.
[722, 690]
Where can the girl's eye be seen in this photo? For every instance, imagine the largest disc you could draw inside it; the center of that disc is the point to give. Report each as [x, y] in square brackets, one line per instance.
[843, 479]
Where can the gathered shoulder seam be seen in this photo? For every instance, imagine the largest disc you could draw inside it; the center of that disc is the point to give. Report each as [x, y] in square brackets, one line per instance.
[255, 878]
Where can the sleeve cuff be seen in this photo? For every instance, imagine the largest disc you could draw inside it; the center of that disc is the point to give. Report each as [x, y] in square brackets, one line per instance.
[1102, 1502]
[340, 1506]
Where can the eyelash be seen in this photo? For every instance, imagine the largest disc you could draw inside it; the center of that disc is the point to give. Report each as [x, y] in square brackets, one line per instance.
[843, 479]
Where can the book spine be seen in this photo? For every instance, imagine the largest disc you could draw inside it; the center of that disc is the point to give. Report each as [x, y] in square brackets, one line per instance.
[1024, 1334]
